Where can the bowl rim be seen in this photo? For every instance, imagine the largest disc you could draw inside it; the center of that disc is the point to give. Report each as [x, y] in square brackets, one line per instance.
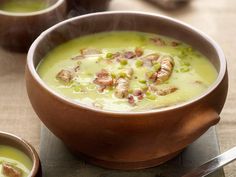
[219, 51]
[35, 158]
[55, 5]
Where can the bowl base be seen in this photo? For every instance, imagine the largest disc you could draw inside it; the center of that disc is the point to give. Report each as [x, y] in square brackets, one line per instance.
[128, 165]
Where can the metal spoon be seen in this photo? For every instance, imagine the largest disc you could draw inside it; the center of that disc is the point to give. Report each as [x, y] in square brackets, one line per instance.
[213, 164]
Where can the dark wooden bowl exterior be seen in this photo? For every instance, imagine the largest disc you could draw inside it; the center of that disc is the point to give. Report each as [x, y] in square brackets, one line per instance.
[126, 140]
[18, 31]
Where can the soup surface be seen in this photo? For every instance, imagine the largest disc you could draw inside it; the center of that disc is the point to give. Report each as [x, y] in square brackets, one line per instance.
[127, 71]
[20, 6]
[13, 162]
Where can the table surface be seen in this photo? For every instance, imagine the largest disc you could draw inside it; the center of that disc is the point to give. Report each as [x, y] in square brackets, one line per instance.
[216, 18]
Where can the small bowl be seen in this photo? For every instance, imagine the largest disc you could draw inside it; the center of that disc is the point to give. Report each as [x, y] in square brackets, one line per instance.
[88, 6]
[19, 30]
[126, 140]
[20, 144]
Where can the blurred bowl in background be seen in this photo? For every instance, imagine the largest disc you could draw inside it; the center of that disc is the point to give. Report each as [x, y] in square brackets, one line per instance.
[87, 6]
[21, 145]
[170, 4]
[19, 29]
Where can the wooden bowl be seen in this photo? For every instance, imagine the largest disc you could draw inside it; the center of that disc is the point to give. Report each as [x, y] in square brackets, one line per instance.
[19, 30]
[20, 144]
[126, 140]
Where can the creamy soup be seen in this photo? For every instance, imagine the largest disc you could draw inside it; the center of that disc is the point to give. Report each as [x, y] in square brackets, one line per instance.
[127, 71]
[20, 6]
[13, 162]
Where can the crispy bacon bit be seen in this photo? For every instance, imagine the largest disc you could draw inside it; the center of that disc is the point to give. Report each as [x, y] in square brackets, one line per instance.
[65, 76]
[174, 43]
[129, 55]
[77, 68]
[102, 73]
[138, 51]
[122, 86]
[116, 56]
[152, 88]
[11, 171]
[163, 92]
[150, 59]
[140, 97]
[90, 51]
[78, 57]
[158, 41]
[153, 77]
[103, 79]
[131, 100]
[101, 88]
[164, 73]
[138, 92]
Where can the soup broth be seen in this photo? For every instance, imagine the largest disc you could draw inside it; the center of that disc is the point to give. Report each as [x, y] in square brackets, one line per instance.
[127, 71]
[13, 162]
[21, 6]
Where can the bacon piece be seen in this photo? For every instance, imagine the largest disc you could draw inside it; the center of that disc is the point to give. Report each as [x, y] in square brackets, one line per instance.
[65, 76]
[163, 92]
[101, 88]
[131, 100]
[116, 56]
[158, 41]
[167, 64]
[138, 92]
[138, 51]
[11, 171]
[129, 55]
[77, 68]
[90, 51]
[152, 88]
[102, 73]
[121, 55]
[150, 59]
[78, 57]
[153, 77]
[103, 79]
[140, 97]
[122, 86]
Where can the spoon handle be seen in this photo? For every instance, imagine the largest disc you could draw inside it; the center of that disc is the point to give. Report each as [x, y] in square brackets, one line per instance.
[213, 164]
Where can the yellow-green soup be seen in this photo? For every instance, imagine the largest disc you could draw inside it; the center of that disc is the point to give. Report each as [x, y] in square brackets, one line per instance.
[127, 71]
[21, 6]
[14, 160]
